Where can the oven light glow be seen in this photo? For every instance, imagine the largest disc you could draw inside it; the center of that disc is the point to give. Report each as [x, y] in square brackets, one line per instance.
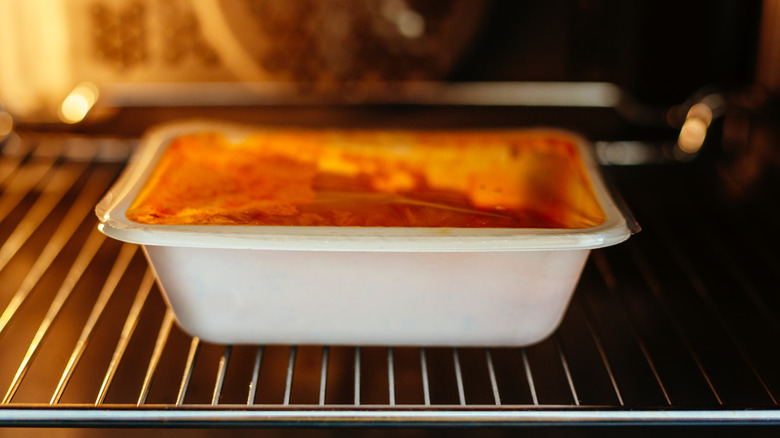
[6, 124]
[78, 103]
[411, 24]
[692, 135]
[408, 21]
[694, 130]
[702, 112]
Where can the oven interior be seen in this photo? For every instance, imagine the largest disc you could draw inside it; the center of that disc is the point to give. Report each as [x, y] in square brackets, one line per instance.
[675, 327]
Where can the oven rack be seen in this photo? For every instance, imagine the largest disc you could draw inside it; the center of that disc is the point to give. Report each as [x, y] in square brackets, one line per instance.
[676, 326]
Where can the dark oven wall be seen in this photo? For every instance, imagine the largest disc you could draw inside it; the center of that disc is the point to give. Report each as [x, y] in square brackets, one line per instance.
[661, 51]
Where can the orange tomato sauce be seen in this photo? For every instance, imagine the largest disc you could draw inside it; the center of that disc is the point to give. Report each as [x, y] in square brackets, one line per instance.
[482, 179]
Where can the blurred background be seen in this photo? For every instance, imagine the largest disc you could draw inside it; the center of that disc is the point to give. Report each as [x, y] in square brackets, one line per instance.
[625, 73]
[658, 51]
[679, 98]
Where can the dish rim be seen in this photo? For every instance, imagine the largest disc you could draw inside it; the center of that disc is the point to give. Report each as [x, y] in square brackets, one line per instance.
[111, 209]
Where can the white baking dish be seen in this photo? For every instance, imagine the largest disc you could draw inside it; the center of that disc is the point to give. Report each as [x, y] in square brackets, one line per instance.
[358, 285]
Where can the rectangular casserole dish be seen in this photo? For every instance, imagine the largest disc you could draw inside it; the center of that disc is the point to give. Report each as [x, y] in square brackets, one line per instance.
[372, 285]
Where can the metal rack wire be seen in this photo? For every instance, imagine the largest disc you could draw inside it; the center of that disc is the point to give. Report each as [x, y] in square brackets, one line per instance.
[675, 326]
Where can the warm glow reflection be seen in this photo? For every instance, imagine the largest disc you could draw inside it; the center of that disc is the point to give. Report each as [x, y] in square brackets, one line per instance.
[694, 130]
[408, 21]
[702, 112]
[692, 135]
[6, 124]
[411, 24]
[624, 152]
[78, 103]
